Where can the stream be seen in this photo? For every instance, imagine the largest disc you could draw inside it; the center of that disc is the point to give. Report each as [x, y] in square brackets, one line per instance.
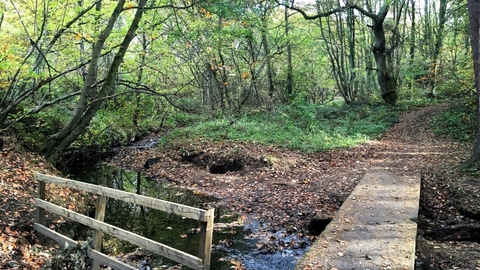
[236, 243]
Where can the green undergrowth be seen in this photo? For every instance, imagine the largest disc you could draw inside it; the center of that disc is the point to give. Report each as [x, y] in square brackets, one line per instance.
[305, 127]
[457, 123]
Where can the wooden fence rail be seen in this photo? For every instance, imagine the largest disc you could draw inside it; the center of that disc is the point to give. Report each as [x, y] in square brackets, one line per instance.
[202, 261]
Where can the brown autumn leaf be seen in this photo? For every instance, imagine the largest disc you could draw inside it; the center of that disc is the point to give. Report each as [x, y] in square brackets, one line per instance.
[10, 231]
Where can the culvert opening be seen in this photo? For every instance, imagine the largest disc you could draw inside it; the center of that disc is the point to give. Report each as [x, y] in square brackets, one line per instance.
[215, 164]
[224, 166]
[318, 224]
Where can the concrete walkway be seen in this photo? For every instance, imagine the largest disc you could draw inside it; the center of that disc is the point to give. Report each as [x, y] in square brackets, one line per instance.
[375, 228]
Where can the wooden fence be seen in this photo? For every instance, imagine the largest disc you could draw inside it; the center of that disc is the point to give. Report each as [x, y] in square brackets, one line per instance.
[202, 261]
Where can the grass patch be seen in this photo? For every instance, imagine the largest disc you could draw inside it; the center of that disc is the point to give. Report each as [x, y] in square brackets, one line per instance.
[457, 123]
[301, 126]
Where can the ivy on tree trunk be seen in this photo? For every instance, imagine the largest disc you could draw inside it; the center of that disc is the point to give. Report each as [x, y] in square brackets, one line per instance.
[386, 81]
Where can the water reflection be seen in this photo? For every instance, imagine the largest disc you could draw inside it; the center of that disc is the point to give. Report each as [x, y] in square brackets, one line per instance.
[230, 243]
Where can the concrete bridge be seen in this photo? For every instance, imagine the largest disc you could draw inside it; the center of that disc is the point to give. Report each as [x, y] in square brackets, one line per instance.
[375, 228]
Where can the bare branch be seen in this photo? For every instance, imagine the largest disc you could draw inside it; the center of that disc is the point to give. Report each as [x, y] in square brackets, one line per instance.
[367, 13]
[39, 108]
[172, 6]
[143, 89]
[381, 14]
[2, 16]
[318, 15]
[59, 33]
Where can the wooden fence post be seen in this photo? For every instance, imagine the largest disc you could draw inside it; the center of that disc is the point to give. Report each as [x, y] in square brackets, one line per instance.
[206, 237]
[98, 234]
[40, 210]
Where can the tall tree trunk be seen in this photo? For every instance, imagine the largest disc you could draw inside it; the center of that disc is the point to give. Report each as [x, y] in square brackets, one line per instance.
[351, 57]
[413, 33]
[143, 57]
[84, 114]
[442, 19]
[336, 49]
[474, 12]
[252, 66]
[209, 85]
[413, 30]
[289, 79]
[266, 48]
[223, 84]
[380, 53]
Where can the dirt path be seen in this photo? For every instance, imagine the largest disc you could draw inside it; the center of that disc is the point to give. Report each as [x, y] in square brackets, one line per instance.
[449, 218]
[411, 146]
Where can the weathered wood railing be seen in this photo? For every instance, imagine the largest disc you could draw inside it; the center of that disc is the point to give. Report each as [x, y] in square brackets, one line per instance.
[202, 261]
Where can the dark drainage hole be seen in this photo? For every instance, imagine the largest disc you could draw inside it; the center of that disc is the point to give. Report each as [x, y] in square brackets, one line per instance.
[224, 167]
[318, 224]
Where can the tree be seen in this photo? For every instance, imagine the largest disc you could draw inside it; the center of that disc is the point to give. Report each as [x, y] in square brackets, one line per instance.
[86, 108]
[433, 38]
[382, 54]
[339, 45]
[27, 77]
[289, 80]
[474, 13]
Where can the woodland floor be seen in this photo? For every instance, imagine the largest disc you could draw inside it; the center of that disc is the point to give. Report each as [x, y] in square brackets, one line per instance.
[283, 190]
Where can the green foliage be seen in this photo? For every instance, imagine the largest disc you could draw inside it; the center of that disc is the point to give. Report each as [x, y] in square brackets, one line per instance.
[35, 129]
[72, 258]
[458, 123]
[457, 82]
[112, 125]
[214, 55]
[299, 126]
[115, 125]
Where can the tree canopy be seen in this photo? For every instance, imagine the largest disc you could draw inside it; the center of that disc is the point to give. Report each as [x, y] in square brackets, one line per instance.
[80, 73]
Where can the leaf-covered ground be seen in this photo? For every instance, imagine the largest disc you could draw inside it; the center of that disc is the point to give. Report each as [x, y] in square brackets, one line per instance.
[283, 189]
[19, 247]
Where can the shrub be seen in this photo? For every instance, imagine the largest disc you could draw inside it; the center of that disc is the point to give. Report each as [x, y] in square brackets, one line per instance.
[70, 257]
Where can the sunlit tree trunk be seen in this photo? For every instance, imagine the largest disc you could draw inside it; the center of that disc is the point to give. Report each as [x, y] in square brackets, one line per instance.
[338, 34]
[2, 16]
[336, 49]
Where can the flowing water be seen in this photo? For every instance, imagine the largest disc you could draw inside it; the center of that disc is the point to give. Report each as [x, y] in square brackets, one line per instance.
[235, 242]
